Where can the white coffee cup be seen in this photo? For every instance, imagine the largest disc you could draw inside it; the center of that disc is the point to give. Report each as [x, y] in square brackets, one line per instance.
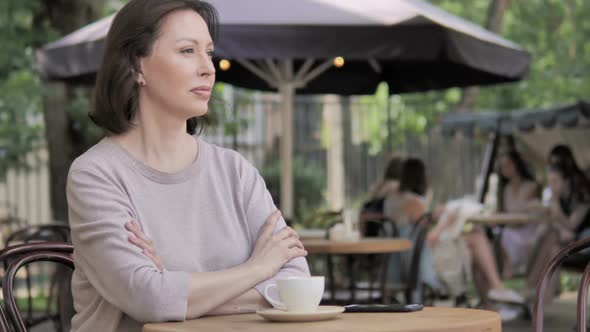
[298, 294]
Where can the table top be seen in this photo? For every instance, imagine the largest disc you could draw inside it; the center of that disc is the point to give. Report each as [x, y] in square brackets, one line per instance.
[312, 233]
[506, 219]
[437, 319]
[362, 246]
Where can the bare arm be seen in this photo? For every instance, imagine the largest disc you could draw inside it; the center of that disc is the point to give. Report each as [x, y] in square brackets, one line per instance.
[574, 219]
[414, 209]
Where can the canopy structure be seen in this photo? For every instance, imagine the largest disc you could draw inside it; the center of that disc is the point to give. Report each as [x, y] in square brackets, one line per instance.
[291, 46]
[539, 129]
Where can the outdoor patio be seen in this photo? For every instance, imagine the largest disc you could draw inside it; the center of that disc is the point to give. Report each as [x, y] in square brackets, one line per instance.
[419, 151]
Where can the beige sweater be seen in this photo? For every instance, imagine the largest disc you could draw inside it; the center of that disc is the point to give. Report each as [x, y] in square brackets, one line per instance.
[204, 218]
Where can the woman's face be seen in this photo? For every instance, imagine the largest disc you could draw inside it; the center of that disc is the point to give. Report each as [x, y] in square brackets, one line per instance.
[556, 182]
[179, 72]
[507, 167]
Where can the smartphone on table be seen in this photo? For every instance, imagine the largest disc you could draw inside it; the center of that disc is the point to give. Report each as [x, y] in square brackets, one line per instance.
[394, 307]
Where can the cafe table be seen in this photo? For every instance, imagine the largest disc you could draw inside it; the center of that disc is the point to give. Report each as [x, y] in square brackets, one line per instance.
[349, 248]
[361, 246]
[503, 219]
[436, 319]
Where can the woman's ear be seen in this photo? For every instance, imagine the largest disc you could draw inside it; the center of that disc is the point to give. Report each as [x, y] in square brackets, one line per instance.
[138, 72]
[140, 79]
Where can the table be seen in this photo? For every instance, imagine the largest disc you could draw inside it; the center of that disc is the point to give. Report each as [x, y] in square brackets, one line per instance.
[383, 246]
[362, 246]
[503, 219]
[437, 319]
[312, 233]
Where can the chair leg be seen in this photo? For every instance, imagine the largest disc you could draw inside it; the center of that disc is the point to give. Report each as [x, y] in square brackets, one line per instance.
[330, 266]
[351, 274]
[30, 317]
[582, 299]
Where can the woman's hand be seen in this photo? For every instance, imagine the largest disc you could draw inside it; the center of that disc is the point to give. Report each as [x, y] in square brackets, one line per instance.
[139, 239]
[272, 251]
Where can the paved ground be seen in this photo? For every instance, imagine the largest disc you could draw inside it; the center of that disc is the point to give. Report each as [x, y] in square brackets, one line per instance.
[559, 317]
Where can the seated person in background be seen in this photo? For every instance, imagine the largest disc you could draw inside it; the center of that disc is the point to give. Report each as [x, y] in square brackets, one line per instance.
[569, 212]
[390, 182]
[562, 154]
[517, 192]
[406, 206]
[446, 240]
[372, 210]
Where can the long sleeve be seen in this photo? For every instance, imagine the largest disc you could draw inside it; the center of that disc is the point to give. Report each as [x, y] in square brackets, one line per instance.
[258, 206]
[121, 274]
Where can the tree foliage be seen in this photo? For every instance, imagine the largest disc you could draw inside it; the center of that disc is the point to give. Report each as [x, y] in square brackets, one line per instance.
[20, 88]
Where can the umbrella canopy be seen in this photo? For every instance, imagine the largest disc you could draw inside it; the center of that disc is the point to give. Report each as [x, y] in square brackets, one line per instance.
[290, 46]
[411, 44]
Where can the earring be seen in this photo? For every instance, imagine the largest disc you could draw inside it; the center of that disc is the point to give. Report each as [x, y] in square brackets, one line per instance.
[141, 82]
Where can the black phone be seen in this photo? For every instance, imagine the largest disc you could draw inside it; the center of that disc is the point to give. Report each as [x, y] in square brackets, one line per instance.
[395, 307]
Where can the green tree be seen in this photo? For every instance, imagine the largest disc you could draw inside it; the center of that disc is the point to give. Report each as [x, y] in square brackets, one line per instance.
[30, 107]
[21, 90]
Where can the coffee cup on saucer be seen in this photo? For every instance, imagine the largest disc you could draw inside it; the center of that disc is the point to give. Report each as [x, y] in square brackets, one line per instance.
[297, 294]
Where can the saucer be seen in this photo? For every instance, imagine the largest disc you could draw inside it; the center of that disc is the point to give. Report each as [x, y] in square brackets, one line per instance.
[322, 313]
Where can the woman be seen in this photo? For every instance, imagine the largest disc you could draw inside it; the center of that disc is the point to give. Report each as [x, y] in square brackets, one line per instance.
[406, 206]
[371, 215]
[562, 154]
[516, 192]
[390, 182]
[205, 235]
[569, 212]
[487, 278]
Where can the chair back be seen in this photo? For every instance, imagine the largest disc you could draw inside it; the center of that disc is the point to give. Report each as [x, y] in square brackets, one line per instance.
[418, 235]
[45, 233]
[547, 276]
[21, 255]
[9, 225]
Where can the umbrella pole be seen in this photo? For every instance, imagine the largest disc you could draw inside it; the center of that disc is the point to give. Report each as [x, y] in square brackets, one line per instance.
[287, 90]
[281, 75]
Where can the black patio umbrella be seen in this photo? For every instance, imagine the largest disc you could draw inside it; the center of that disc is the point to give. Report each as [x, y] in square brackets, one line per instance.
[326, 46]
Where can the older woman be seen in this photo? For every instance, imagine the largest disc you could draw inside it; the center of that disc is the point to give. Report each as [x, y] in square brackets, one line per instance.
[167, 226]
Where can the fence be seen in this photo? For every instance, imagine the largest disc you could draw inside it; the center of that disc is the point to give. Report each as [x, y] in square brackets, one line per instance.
[251, 125]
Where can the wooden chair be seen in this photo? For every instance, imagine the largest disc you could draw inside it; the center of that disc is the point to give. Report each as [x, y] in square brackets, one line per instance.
[373, 266]
[40, 233]
[9, 225]
[547, 276]
[3, 322]
[12, 255]
[411, 286]
[44, 232]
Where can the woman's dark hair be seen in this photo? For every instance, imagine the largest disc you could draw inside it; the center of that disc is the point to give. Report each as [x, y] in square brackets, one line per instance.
[413, 177]
[561, 160]
[133, 32]
[521, 169]
[394, 169]
[562, 154]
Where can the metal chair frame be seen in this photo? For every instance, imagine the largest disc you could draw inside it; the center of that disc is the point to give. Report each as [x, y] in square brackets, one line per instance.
[547, 275]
